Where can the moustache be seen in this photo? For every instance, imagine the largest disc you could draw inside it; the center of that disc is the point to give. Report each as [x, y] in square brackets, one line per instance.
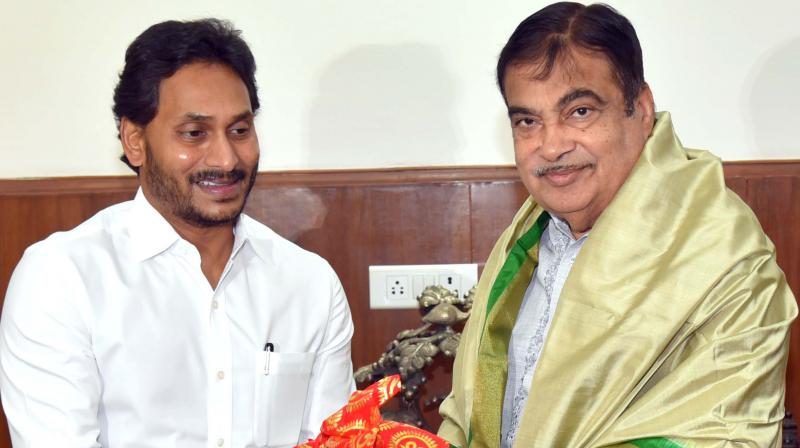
[217, 175]
[544, 170]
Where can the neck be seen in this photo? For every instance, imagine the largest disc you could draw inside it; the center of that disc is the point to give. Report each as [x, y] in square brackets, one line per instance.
[579, 223]
[215, 245]
[579, 233]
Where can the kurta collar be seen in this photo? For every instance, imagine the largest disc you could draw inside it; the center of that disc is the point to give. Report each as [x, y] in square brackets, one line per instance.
[246, 234]
[152, 235]
[562, 227]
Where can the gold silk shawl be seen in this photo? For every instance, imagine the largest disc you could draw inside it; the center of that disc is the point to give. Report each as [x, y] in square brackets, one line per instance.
[671, 329]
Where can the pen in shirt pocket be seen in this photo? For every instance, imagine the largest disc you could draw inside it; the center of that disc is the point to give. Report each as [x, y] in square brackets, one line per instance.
[269, 347]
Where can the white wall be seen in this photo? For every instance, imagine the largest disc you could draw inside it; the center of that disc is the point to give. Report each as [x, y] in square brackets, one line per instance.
[377, 83]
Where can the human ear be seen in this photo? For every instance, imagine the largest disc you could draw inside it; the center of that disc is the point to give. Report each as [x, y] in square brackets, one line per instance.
[133, 141]
[647, 109]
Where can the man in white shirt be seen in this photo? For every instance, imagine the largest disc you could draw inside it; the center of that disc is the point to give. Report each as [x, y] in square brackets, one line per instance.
[173, 319]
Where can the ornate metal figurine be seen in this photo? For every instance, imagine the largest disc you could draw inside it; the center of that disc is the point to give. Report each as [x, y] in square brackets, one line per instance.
[413, 350]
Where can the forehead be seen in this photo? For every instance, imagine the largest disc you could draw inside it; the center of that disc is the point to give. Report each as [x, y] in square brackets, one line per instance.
[203, 87]
[573, 69]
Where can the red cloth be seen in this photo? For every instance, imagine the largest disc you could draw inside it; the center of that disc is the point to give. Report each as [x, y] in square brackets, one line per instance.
[359, 425]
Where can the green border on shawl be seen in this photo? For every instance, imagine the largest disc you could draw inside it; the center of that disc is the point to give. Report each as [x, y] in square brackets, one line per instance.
[514, 261]
[655, 442]
[516, 257]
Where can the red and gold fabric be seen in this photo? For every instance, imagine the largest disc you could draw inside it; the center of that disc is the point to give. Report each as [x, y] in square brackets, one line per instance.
[359, 424]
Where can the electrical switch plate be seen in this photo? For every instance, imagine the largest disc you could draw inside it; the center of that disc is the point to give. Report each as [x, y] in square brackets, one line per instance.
[398, 286]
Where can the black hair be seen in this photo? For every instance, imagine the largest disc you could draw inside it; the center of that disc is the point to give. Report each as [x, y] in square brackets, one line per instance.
[162, 49]
[548, 33]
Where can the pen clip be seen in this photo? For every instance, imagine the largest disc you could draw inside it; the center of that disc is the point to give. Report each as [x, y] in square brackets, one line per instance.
[268, 349]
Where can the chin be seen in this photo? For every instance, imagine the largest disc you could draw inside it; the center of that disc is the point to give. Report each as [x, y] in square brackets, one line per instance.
[205, 220]
[561, 208]
[227, 214]
[213, 216]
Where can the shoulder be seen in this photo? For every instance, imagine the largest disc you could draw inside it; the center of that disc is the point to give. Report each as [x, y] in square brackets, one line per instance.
[53, 275]
[710, 205]
[93, 236]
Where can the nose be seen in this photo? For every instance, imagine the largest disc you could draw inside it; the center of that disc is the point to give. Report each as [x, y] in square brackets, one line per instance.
[556, 142]
[222, 154]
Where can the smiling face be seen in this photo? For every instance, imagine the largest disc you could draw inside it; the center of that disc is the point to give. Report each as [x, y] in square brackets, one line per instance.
[574, 142]
[198, 156]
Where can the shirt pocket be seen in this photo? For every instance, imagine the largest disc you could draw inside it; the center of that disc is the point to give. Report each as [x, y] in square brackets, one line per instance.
[281, 386]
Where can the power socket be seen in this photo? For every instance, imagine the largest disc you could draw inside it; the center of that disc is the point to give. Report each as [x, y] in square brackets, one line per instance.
[398, 286]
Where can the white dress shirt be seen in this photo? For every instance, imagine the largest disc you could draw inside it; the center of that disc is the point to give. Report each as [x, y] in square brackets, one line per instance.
[111, 336]
[557, 252]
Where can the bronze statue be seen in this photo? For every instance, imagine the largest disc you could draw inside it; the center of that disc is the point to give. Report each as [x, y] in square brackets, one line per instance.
[413, 350]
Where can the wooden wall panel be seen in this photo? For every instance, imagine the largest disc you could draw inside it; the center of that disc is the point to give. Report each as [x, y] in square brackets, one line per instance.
[391, 216]
[494, 205]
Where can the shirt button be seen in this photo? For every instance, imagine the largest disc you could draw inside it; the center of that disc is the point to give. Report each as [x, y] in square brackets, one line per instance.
[221, 376]
[214, 304]
[220, 442]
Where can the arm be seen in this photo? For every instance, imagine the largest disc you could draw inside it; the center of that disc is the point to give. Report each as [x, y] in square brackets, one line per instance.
[49, 381]
[724, 386]
[332, 376]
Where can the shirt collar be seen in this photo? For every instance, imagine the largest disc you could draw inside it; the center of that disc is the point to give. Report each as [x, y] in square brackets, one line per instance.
[562, 227]
[245, 233]
[151, 234]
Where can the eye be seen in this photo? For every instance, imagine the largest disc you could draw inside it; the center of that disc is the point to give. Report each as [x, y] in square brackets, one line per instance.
[193, 134]
[581, 112]
[240, 131]
[524, 122]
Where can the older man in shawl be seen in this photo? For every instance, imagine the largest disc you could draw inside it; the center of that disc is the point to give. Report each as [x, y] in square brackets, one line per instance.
[634, 299]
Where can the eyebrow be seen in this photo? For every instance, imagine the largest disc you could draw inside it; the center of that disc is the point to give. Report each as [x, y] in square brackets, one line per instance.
[562, 102]
[246, 115]
[195, 116]
[513, 110]
[579, 93]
